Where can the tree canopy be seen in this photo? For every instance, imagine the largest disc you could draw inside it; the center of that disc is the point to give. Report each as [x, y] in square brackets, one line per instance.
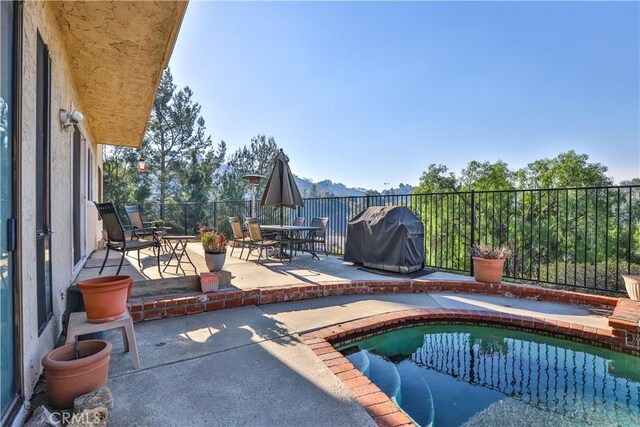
[565, 170]
[256, 158]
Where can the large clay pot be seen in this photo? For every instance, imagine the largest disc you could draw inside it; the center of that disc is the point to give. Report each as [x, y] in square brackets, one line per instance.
[488, 270]
[215, 262]
[68, 377]
[105, 298]
[632, 283]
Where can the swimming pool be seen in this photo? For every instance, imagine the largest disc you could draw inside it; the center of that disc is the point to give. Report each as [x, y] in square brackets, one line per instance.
[451, 375]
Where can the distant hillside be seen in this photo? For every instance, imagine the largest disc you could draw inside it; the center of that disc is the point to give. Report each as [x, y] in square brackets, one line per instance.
[327, 188]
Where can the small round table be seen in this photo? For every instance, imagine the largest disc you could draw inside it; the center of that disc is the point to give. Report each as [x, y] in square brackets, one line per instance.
[178, 245]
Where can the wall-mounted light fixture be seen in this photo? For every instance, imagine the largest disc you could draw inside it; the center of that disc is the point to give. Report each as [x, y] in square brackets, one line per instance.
[141, 165]
[70, 119]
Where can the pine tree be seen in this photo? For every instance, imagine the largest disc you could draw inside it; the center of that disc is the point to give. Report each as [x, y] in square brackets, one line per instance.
[175, 141]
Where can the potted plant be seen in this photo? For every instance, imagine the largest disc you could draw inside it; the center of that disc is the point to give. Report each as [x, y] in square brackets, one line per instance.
[75, 369]
[632, 284]
[215, 249]
[105, 298]
[488, 262]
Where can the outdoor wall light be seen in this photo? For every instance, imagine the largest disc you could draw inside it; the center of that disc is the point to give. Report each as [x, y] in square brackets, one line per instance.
[141, 165]
[70, 119]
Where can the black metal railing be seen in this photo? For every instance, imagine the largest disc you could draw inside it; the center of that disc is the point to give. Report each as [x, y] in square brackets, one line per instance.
[577, 237]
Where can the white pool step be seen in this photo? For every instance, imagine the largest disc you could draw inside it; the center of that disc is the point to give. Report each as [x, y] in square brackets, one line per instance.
[360, 361]
[415, 396]
[379, 370]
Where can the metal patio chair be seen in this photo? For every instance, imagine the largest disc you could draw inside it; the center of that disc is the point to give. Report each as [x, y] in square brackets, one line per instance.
[318, 237]
[139, 228]
[117, 240]
[257, 241]
[238, 235]
[297, 239]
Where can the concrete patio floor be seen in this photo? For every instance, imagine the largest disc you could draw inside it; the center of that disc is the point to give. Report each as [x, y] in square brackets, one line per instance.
[247, 366]
[245, 274]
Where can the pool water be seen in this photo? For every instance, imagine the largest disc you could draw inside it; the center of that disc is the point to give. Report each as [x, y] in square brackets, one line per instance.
[455, 375]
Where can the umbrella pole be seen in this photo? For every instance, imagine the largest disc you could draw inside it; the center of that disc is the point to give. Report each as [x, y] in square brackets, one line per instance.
[282, 253]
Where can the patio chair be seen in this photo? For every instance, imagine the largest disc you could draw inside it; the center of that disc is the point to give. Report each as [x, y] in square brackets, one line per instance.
[238, 235]
[139, 228]
[296, 240]
[257, 241]
[117, 240]
[317, 237]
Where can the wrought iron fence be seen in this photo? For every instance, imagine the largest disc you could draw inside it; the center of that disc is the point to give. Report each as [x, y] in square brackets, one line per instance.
[577, 237]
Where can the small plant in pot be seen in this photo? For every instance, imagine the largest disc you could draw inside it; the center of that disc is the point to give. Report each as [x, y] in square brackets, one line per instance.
[488, 262]
[215, 249]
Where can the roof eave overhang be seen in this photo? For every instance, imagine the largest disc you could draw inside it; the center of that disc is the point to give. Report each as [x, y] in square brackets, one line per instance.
[117, 51]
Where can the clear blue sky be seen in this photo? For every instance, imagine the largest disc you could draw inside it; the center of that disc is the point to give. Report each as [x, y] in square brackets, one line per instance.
[367, 93]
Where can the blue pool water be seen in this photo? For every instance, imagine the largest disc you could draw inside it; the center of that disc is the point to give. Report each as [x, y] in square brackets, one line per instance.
[453, 375]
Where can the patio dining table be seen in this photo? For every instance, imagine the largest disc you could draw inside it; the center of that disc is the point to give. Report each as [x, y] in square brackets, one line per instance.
[286, 232]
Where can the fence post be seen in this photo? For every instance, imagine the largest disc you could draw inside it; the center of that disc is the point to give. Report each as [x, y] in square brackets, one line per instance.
[473, 226]
[215, 215]
[368, 200]
[185, 207]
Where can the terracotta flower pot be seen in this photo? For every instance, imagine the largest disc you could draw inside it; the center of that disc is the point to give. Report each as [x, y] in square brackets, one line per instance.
[632, 284]
[68, 377]
[488, 270]
[215, 262]
[105, 298]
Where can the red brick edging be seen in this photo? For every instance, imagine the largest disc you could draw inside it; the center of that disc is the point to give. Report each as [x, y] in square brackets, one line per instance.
[152, 308]
[626, 315]
[377, 404]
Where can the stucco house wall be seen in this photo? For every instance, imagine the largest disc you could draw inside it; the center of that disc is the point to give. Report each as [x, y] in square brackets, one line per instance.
[38, 17]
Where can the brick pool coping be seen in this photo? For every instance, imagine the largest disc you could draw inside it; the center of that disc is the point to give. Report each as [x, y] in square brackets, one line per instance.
[323, 343]
[158, 307]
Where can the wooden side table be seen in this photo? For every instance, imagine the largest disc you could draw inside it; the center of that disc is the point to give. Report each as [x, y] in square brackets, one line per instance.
[78, 325]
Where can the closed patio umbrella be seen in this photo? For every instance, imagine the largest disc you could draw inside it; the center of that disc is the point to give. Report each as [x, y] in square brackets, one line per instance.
[281, 189]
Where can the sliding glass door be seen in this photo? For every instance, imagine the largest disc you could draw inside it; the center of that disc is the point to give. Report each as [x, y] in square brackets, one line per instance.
[8, 385]
[78, 202]
[43, 185]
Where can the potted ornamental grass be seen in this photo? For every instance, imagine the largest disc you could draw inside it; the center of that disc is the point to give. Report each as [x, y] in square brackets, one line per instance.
[215, 249]
[488, 262]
